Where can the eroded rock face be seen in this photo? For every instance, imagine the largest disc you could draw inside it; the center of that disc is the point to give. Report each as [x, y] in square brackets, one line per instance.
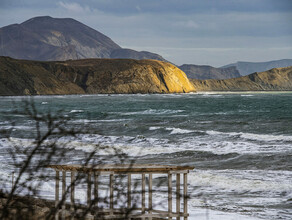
[277, 79]
[91, 76]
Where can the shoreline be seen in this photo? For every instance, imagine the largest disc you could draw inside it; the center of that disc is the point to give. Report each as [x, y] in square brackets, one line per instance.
[144, 94]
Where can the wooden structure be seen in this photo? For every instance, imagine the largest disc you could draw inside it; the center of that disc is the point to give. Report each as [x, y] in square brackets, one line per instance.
[128, 212]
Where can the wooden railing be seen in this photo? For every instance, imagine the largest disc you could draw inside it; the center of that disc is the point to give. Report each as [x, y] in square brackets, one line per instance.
[131, 211]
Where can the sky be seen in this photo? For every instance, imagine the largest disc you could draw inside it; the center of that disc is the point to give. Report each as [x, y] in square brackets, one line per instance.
[202, 32]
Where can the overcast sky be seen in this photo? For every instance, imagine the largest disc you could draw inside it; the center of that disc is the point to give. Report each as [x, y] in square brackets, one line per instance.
[213, 32]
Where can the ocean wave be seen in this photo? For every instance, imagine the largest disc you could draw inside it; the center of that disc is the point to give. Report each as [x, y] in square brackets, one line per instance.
[154, 128]
[114, 120]
[76, 111]
[94, 120]
[247, 180]
[173, 130]
[15, 127]
[153, 112]
[179, 131]
[212, 95]
[265, 137]
[252, 136]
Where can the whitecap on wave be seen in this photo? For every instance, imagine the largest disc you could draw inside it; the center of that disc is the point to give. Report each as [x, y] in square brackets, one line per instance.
[153, 112]
[178, 131]
[76, 111]
[252, 136]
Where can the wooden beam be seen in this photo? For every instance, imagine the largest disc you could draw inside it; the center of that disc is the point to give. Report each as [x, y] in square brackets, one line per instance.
[169, 195]
[178, 195]
[64, 194]
[150, 196]
[72, 194]
[111, 194]
[96, 176]
[123, 168]
[185, 195]
[57, 194]
[143, 193]
[88, 189]
[129, 191]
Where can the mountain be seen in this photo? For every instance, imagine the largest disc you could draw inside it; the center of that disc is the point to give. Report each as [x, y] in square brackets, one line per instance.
[46, 38]
[277, 79]
[246, 68]
[90, 76]
[209, 72]
[133, 54]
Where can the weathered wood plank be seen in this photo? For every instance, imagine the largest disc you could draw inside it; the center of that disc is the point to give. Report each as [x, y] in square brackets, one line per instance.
[72, 193]
[89, 189]
[178, 195]
[129, 192]
[96, 198]
[123, 168]
[111, 193]
[150, 196]
[64, 194]
[57, 190]
[185, 195]
[143, 192]
[170, 195]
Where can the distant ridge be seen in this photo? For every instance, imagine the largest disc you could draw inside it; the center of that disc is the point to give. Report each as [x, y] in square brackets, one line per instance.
[209, 72]
[246, 68]
[276, 79]
[47, 39]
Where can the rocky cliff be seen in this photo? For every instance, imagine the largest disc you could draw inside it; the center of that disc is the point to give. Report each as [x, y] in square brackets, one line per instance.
[46, 38]
[277, 79]
[23, 77]
[209, 72]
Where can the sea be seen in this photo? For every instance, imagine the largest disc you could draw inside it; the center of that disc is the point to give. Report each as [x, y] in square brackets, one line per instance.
[239, 143]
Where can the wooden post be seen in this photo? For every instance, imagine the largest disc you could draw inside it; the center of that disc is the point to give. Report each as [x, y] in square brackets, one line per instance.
[169, 195]
[89, 189]
[96, 190]
[57, 194]
[64, 195]
[143, 193]
[129, 191]
[178, 195]
[12, 180]
[111, 194]
[72, 193]
[185, 195]
[150, 195]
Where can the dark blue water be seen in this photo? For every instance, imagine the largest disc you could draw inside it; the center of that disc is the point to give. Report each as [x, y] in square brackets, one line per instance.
[240, 144]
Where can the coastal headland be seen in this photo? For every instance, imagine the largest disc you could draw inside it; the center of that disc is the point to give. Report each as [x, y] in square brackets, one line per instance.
[276, 79]
[90, 76]
[123, 76]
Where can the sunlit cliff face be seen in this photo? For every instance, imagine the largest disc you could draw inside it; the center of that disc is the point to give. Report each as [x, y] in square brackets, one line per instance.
[277, 79]
[91, 76]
